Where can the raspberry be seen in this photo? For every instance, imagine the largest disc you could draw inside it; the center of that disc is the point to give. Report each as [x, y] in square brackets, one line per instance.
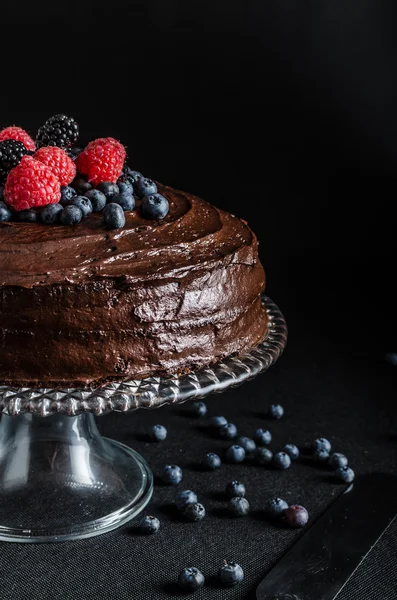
[31, 184]
[19, 134]
[102, 160]
[58, 162]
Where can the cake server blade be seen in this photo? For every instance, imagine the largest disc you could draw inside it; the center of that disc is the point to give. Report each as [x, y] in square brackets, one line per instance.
[323, 560]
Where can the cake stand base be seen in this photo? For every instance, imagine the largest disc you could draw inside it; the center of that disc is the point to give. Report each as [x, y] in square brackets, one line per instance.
[60, 480]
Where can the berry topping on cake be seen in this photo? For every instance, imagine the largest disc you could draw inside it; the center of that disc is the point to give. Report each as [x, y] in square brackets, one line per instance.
[53, 170]
[31, 184]
[11, 153]
[83, 203]
[131, 175]
[74, 152]
[113, 216]
[26, 216]
[18, 134]
[97, 199]
[71, 215]
[154, 206]
[102, 160]
[81, 185]
[59, 162]
[5, 212]
[126, 201]
[67, 193]
[125, 186]
[144, 187]
[59, 130]
[50, 214]
[109, 189]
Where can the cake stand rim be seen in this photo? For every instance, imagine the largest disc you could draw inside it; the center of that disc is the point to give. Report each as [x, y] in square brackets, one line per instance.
[153, 392]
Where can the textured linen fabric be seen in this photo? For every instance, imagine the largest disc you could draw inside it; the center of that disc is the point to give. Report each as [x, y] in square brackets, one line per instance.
[328, 388]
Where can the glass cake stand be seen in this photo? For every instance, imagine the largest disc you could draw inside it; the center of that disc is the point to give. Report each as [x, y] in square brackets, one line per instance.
[61, 480]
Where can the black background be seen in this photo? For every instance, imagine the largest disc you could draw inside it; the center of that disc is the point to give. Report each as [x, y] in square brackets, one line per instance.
[285, 114]
[281, 112]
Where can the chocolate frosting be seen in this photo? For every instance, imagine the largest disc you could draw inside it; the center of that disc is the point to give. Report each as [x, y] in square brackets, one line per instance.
[82, 305]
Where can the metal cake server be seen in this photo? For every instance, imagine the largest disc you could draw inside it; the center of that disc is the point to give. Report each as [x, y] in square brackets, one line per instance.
[319, 565]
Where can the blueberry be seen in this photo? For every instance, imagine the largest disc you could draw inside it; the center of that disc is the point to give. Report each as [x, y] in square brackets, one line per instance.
[320, 455]
[230, 573]
[126, 201]
[158, 433]
[235, 454]
[125, 187]
[263, 456]
[337, 460]
[235, 489]
[26, 216]
[74, 152]
[238, 506]
[211, 461]
[198, 409]
[113, 216]
[149, 525]
[154, 206]
[190, 579]
[228, 431]
[246, 443]
[172, 474]
[81, 185]
[50, 214]
[144, 187]
[292, 451]
[108, 188]
[134, 175]
[346, 474]
[184, 498]
[217, 422]
[97, 199]
[263, 437]
[276, 411]
[296, 516]
[71, 215]
[322, 444]
[5, 212]
[275, 508]
[194, 511]
[281, 460]
[67, 194]
[83, 203]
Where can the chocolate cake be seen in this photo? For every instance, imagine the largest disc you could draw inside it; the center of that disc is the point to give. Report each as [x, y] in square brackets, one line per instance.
[82, 305]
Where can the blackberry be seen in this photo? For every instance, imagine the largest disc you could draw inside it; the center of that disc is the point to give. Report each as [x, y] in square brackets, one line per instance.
[59, 130]
[11, 153]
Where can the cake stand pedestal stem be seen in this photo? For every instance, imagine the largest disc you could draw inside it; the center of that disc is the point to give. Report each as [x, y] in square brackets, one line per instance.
[61, 480]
